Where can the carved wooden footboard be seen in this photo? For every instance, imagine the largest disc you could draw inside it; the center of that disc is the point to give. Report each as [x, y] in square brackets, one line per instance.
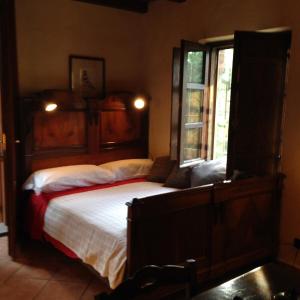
[163, 228]
[223, 227]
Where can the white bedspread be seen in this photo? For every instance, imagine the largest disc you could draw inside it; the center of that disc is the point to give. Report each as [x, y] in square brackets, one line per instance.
[93, 225]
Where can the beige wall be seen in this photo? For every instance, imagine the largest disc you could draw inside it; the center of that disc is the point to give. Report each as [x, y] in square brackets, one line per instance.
[194, 20]
[168, 23]
[48, 31]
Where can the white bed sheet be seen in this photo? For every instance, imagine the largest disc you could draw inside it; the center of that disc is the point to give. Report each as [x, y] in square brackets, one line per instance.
[93, 225]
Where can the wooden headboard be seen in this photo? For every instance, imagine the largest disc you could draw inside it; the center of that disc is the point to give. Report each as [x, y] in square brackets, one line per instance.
[81, 131]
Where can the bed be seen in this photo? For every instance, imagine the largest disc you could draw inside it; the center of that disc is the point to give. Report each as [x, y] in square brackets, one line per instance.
[224, 226]
[90, 223]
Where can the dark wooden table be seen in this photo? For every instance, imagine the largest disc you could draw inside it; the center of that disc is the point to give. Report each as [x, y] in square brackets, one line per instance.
[259, 284]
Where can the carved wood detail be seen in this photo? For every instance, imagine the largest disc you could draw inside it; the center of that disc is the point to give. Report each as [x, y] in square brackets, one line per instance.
[54, 131]
[119, 127]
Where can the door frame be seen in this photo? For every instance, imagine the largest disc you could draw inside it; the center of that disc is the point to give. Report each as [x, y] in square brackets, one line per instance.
[9, 95]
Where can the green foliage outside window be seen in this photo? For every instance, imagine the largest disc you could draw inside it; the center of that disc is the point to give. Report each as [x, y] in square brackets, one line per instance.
[195, 67]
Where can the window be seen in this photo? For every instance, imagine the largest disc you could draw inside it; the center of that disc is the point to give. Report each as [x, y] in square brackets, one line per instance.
[193, 111]
[229, 101]
[205, 102]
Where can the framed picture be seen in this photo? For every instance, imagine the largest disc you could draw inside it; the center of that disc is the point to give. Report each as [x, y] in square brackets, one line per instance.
[87, 76]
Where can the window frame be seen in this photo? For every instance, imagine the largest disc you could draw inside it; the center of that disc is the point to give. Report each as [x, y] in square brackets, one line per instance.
[187, 46]
[253, 156]
[209, 99]
[213, 78]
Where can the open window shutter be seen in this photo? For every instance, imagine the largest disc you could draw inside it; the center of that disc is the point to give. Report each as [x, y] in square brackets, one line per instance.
[175, 104]
[258, 83]
[193, 106]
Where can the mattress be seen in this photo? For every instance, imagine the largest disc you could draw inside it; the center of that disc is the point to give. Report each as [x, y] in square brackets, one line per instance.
[93, 225]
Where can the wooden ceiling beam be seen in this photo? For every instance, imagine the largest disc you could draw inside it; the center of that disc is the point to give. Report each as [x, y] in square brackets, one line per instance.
[140, 6]
[131, 5]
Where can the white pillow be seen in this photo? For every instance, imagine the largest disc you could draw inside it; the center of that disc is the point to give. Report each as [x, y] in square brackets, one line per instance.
[129, 168]
[63, 178]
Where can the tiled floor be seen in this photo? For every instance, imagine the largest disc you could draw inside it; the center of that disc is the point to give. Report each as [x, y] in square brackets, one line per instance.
[44, 274]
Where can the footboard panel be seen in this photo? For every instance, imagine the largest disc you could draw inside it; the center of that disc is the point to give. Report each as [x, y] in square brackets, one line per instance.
[245, 231]
[220, 226]
[165, 229]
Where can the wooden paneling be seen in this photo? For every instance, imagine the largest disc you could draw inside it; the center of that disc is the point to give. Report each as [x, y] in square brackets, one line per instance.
[101, 131]
[59, 130]
[248, 224]
[119, 127]
[105, 155]
[223, 227]
[244, 231]
[167, 235]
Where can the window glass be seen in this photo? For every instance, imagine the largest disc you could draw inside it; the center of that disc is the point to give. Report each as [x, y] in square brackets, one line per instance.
[192, 143]
[222, 107]
[194, 109]
[195, 65]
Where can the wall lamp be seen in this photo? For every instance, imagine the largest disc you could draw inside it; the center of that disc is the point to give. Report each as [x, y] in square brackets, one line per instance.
[140, 101]
[50, 106]
[52, 100]
[124, 100]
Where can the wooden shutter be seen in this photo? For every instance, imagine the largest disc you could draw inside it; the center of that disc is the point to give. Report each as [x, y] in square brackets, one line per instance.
[193, 103]
[175, 104]
[258, 83]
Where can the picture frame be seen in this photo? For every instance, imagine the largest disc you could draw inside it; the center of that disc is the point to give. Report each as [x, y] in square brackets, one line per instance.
[87, 76]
